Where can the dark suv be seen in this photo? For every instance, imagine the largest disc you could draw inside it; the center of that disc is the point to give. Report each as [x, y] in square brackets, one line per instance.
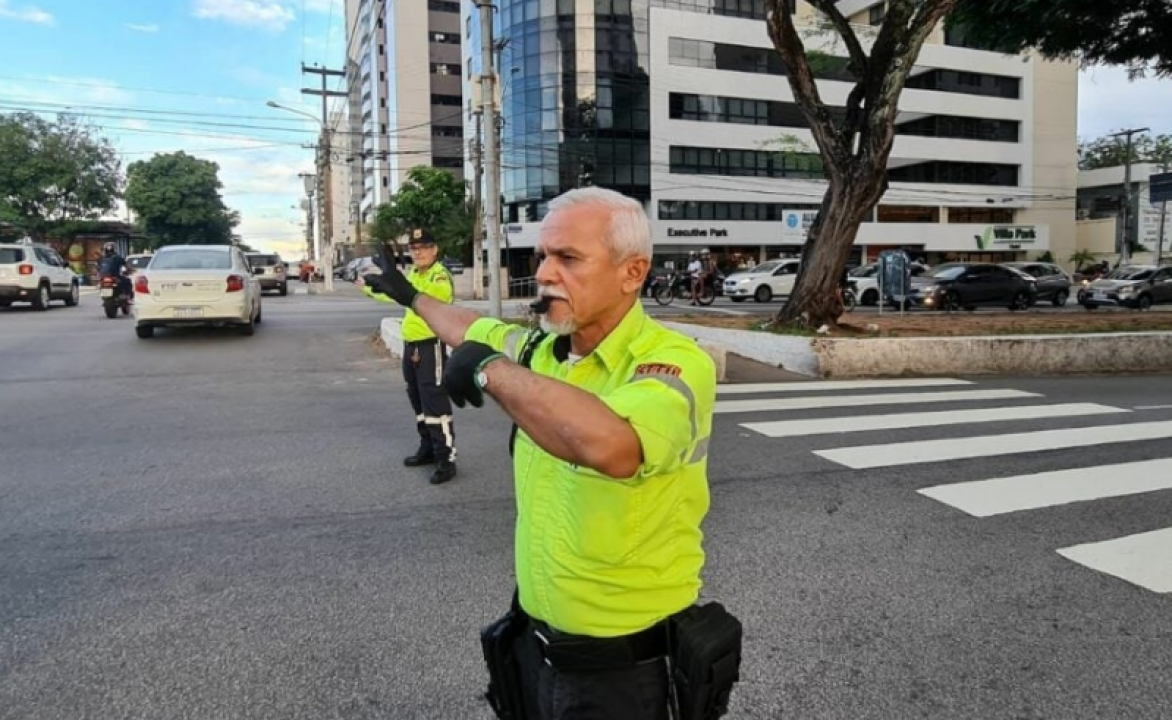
[1133, 286]
[953, 286]
[270, 271]
[1053, 282]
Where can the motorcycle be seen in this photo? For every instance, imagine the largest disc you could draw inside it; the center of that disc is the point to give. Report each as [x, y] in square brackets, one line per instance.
[677, 285]
[114, 296]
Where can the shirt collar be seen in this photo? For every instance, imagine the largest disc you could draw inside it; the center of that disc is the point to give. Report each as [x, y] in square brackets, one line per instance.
[615, 346]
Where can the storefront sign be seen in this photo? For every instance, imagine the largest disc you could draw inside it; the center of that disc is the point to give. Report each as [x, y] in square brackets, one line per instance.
[795, 226]
[697, 232]
[1007, 237]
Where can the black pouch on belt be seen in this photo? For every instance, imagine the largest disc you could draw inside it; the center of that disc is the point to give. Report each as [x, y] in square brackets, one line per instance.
[504, 682]
[706, 660]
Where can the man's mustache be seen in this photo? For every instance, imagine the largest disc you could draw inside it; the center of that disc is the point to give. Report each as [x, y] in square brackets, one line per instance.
[548, 295]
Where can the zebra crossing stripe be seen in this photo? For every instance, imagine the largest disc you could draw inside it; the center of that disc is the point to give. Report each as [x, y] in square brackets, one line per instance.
[866, 423]
[1144, 559]
[802, 386]
[984, 498]
[851, 401]
[926, 451]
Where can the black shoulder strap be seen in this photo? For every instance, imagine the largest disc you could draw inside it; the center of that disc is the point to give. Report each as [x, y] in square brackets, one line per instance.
[525, 359]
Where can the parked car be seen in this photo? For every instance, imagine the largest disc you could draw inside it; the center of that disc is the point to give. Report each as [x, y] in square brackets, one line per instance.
[1133, 286]
[953, 286]
[774, 278]
[865, 279]
[1052, 281]
[197, 285]
[454, 265]
[270, 272]
[36, 274]
[139, 261]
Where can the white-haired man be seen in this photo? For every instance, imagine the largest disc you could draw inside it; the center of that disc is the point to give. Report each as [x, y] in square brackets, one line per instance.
[610, 463]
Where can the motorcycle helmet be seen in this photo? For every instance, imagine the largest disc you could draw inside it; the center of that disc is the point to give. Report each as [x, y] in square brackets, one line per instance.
[109, 249]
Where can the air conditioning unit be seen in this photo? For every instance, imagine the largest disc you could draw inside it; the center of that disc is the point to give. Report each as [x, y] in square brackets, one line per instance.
[1084, 213]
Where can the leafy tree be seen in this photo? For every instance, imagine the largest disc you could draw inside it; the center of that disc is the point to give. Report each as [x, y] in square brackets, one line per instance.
[1133, 33]
[177, 199]
[854, 145]
[54, 171]
[1082, 259]
[1112, 152]
[429, 198]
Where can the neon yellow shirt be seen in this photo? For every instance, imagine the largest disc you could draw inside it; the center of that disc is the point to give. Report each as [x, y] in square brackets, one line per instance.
[603, 557]
[435, 282]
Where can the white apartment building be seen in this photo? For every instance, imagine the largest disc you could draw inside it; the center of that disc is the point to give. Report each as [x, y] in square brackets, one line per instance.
[1100, 197]
[403, 69]
[684, 104]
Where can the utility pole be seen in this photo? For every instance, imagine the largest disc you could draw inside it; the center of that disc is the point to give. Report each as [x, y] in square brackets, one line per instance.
[492, 160]
[325, 172]
[477, 149]
[1163, 220]
[1125, 250]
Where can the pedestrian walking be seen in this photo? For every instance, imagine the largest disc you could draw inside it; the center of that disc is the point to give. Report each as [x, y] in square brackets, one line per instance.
[424, 355]
[613, 414]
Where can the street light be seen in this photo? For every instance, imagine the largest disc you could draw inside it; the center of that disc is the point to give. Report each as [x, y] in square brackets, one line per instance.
[327, 241]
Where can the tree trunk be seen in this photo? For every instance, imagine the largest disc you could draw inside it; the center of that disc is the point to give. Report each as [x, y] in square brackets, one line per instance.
[814, 301]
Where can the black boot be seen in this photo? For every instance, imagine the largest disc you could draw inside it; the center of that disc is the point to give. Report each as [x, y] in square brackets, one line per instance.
[444, 471]
[423, 456]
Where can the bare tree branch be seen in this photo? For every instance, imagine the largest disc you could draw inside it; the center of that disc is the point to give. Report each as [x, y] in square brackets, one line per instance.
[789, 46]
[859, 61]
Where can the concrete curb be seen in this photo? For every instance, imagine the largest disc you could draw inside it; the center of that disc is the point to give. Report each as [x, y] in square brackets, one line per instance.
[791, 353]
[1096, 353]
[391, 332]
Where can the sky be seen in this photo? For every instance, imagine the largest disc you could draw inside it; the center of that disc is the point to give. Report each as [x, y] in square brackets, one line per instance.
[195, 75]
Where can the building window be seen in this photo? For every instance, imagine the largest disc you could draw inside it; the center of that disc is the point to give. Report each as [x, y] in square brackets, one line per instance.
[443, 6]
[965, 128]
[446, 38]
[968, 83]
[447, 131]
[445, 69]
[745, 163]
[751, 9]
[447, 162]
[447, 100]
[982, 216]
[686, 52]
[468, 26]
[908, 214]
[704, 210]
[957, 173]
[386, 181]
[877, 14]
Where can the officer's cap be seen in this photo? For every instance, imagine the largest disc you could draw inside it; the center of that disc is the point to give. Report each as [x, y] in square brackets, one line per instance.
[420, 236]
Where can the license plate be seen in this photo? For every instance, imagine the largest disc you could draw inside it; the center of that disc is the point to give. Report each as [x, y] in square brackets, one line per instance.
[188, 312]
[107, 292]
[169, 286]
[1100, 296]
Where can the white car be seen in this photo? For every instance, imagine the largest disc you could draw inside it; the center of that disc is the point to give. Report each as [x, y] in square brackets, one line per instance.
[764, 282]
[866, 281]
[196, 285]
[35, 273]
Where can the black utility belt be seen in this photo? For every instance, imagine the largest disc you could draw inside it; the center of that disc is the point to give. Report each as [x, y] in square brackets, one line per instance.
[563, 651]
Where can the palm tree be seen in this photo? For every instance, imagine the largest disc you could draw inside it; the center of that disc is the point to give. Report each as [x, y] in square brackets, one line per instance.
[1081, 259]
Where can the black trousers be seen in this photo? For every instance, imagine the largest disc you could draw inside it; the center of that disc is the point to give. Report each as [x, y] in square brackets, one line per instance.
[628, 693]
[423, 370]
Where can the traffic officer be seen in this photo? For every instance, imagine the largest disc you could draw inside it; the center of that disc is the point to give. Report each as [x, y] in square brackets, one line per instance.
[610, 464]
[424, 356]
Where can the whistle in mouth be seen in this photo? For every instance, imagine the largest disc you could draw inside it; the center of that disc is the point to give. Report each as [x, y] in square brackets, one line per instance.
[541, 305]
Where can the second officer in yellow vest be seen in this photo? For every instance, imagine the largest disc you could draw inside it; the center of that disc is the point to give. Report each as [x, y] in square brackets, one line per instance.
[424, 357]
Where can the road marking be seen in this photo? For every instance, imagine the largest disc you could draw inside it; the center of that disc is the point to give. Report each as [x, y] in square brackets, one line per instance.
[813, 403]
[804, 386]
[1153, 407]
[865, 423]
[926, 451]
[1144, 559]
[997, 496]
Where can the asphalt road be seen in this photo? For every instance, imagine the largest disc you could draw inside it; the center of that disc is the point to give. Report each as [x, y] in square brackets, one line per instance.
[210, 526]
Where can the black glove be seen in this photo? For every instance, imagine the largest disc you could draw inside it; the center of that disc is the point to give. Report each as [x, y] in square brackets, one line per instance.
[391, 283]
[460, 374]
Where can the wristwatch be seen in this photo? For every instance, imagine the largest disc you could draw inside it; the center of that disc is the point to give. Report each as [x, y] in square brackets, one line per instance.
[481, 379]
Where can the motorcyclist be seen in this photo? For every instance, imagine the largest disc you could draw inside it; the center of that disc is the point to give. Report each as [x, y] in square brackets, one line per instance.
[114, 265]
